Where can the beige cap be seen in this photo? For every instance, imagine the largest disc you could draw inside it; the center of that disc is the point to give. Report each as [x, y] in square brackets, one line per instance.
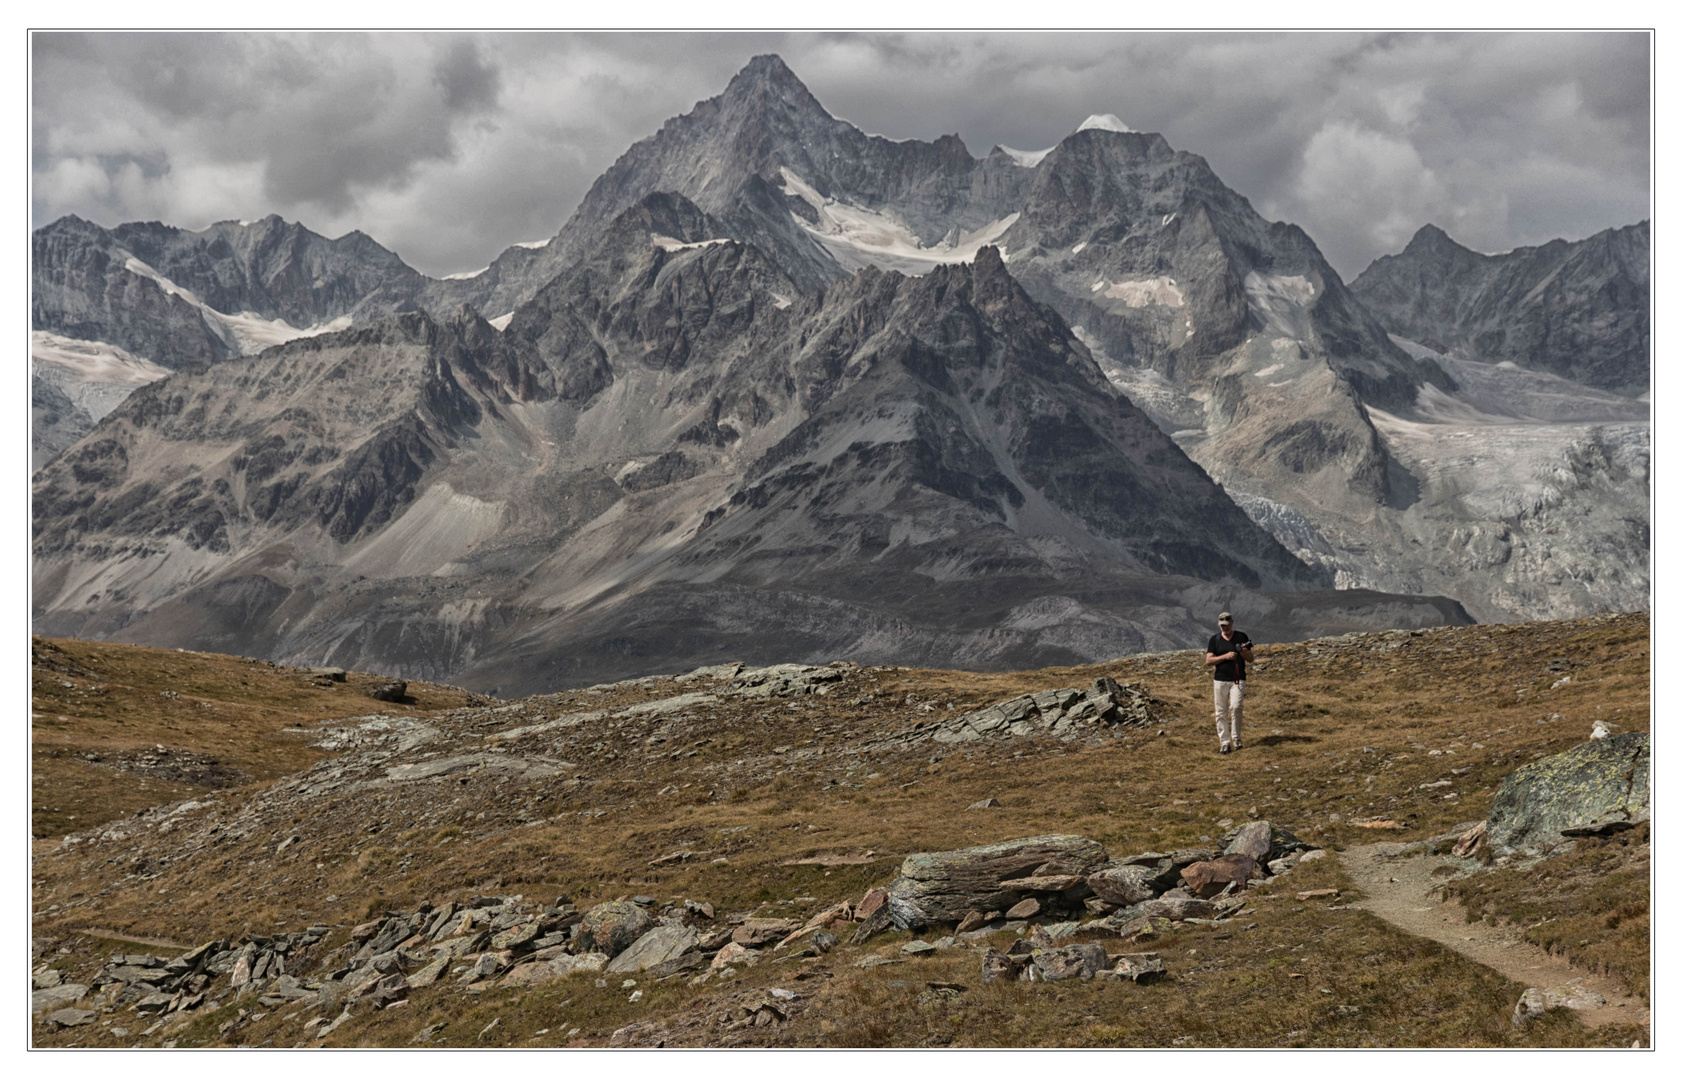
[1226, 617]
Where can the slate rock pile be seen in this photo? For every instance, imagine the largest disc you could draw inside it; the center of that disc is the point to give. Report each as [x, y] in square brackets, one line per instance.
[1038, 959]
[152, 986]
[1043, 884]
[1065, 713]
[476, 940]
[393, 690]
[164, 763]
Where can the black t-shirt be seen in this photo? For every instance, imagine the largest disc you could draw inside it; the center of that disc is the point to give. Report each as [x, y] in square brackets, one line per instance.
[1229, 670]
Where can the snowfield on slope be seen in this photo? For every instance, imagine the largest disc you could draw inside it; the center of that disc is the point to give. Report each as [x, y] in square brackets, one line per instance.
[858, 237]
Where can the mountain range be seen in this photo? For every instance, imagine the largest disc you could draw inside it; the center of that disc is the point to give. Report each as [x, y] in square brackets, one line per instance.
[781, 390]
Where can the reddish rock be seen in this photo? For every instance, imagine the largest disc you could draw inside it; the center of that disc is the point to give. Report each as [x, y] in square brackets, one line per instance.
[1470, 841]
[973, 921]
[1206, 879]
[873, 899]
[734, 953]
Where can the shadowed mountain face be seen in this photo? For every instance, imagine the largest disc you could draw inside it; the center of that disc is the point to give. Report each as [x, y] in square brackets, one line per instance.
[671, 443]
[1578, 310]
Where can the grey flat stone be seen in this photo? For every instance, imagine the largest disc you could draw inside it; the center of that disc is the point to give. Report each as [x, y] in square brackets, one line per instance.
[54, 996]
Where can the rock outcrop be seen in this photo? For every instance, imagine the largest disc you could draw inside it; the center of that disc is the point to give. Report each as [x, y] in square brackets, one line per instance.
[1065, 876]
[1062, 712]
[945, 886]
[1601, 785]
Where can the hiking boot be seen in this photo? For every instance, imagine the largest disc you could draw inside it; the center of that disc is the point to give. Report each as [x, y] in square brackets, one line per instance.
[1226, 749]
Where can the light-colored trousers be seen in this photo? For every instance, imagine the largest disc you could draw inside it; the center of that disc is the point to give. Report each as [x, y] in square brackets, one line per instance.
[1229, 712]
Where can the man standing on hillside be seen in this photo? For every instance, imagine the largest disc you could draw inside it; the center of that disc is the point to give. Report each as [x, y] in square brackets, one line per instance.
[1228, 651]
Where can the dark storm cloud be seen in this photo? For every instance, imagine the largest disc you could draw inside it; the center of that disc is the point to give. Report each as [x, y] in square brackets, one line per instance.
[448, 148]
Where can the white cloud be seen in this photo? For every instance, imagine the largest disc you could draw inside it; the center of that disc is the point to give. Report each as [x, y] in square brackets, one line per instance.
[1369, 185]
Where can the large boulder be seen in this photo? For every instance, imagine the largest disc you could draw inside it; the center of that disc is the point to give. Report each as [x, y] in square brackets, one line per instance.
[945, 885]
[1262, 841]
[656, 947]
[1254, 839]
[56, 996]
[1124, 885]
[1168, 867]
[1069, 962]
[1603, 782]
[612, 927]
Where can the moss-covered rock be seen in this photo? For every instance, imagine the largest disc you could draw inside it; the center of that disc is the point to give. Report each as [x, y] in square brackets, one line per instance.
[1601, 782]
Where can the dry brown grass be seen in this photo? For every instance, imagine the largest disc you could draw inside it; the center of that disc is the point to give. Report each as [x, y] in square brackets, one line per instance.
[1327, 744]
[116, 700]
[1592, 905]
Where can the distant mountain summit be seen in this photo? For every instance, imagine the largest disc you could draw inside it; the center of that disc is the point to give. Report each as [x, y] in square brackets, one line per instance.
[180, 298]
[1581, 310]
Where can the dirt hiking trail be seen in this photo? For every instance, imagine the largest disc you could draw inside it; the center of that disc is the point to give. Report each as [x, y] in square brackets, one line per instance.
[1403, 892]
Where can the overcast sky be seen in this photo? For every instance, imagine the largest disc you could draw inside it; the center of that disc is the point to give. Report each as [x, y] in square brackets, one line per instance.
[448, 148]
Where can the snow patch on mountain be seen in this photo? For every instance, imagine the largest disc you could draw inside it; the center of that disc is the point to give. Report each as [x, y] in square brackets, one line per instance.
[1292, 528]
[1103, 122]
[466, 275]
[857, 237]
[667, 243]
[534, 245]
[244, 332]
[92, 362]
[1169, 407]
[75, 384]
[1508, 471]
[1140, 292]
[1027, 158]
[1504, 392]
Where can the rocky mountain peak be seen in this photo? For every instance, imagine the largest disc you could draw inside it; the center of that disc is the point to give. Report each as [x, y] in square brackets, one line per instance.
[767, 76]
[1431, 245]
